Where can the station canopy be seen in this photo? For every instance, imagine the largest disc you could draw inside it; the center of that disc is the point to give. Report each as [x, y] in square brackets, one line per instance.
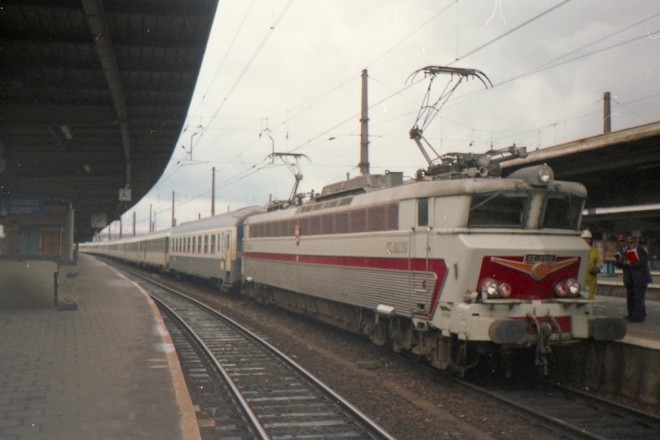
[93, 98]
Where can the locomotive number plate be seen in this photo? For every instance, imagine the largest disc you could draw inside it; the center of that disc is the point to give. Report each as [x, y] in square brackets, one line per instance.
[534, 258]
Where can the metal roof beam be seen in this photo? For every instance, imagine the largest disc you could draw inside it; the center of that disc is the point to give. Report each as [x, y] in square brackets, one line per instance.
[25, 115]
[95, 16]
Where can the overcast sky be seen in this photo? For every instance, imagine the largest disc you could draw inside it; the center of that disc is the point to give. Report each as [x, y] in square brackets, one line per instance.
[284, 75]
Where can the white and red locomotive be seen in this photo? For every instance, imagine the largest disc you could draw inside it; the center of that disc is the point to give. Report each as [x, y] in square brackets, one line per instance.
[444, 266]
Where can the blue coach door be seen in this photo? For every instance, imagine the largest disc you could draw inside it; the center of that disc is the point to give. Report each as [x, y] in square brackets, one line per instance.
[28, 244]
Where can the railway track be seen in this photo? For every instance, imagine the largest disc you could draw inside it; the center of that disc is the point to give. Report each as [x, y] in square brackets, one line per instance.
[559, 413]
[249, 388]
[578, 415]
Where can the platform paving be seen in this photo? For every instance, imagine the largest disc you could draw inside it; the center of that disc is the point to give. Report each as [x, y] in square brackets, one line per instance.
[644, 334]
[104, 370]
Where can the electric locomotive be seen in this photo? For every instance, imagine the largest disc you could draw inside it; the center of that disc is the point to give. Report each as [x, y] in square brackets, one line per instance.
[453, 265]
[458, 263]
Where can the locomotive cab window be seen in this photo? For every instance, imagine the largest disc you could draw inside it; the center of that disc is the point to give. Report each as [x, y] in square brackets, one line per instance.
[422, 212]
[498, 210]
[563, 211]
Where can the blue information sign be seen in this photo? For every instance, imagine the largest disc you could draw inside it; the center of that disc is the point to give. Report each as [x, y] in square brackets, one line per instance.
[21, 208]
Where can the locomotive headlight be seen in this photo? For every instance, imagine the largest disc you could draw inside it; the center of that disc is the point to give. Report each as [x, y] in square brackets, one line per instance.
[489, 288]
[544, 175]
[505, 290]
[573, 287]
[570, 287]
[560, 290]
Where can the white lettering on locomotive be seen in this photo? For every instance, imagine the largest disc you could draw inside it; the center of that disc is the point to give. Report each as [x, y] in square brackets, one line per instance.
[397, 247]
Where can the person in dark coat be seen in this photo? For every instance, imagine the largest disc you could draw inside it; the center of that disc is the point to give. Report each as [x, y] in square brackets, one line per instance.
[634, 261]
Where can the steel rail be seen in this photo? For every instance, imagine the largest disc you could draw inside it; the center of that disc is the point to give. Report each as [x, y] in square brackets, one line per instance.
[603, 407]
[245, 406]
[363, 419]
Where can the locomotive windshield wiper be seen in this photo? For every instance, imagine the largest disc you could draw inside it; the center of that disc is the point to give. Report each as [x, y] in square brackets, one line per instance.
[483, 202]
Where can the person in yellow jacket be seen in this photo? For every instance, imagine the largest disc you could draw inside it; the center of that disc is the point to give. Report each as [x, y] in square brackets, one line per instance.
[595, 263]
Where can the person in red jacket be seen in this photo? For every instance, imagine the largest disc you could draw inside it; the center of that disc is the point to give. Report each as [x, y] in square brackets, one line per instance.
[634, 261]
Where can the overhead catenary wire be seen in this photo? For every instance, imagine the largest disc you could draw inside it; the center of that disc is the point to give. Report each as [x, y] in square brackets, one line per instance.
[473, 51]
[439, 13]
[319, 137]
[525, 23]
[251, 60]
[481, 46]
[227, 53]
[509, 32]
[307, 143]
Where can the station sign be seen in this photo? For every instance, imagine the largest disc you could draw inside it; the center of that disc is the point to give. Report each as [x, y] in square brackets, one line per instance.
[124, 194]
[21, 208]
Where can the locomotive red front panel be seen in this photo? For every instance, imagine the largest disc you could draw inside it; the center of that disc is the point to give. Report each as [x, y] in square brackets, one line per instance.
[531, 277]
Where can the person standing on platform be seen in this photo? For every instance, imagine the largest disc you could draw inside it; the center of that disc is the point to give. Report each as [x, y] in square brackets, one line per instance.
[634, 261]
[593, 268]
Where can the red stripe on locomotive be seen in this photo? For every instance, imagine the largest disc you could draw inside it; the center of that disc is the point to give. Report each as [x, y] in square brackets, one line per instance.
[437, 267]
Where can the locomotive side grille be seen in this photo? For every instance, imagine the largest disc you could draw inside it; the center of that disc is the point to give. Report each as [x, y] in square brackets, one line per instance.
[359, 286]
[367, 287]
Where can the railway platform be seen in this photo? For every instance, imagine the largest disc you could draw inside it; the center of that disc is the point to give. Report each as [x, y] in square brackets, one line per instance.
[101, 366]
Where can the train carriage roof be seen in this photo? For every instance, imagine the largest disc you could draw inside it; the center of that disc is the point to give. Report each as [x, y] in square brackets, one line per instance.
[137, 238]
[228, 219]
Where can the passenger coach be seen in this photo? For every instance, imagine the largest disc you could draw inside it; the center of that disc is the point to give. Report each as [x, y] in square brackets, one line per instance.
[210, 248]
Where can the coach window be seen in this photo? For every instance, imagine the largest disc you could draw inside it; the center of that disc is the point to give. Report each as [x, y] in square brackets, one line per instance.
[206, 244]
[213, 244]
[422, 212]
